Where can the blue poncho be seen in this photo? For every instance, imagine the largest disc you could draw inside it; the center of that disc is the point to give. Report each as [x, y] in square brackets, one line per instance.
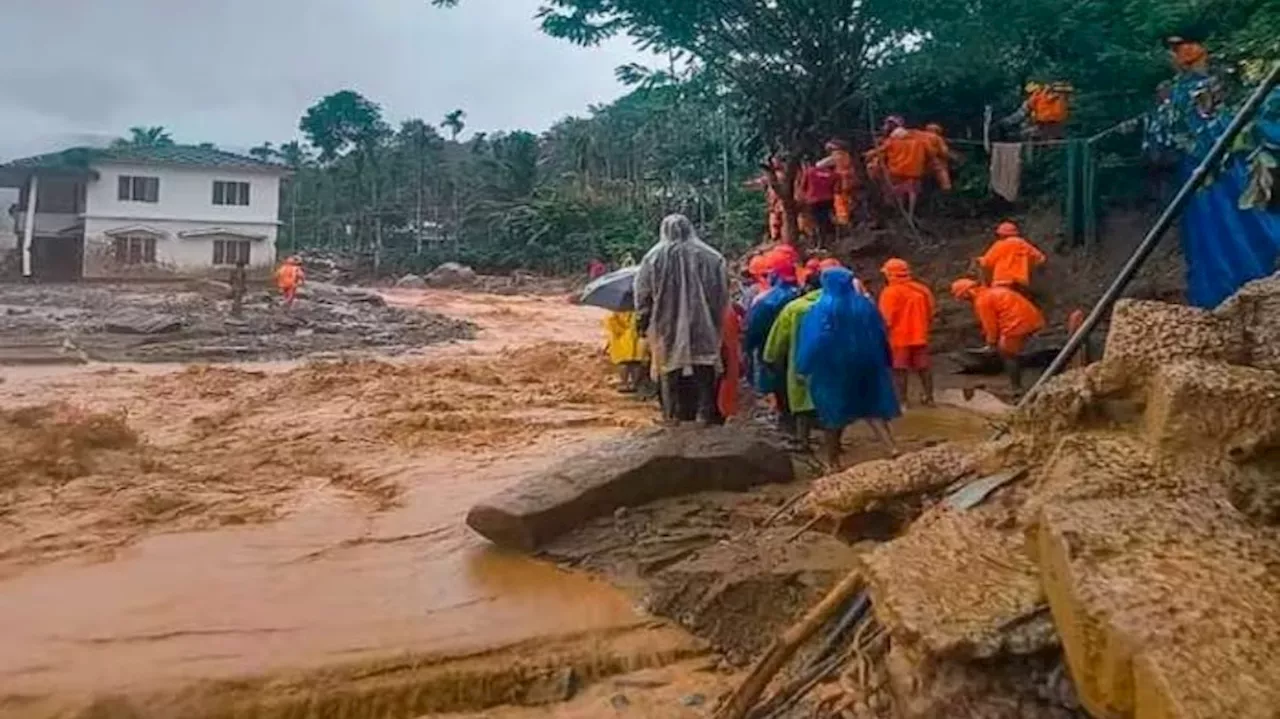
[760, 319]
[844, 354]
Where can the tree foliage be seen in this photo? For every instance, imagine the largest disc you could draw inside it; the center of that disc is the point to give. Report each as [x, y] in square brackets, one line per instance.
[155, 136]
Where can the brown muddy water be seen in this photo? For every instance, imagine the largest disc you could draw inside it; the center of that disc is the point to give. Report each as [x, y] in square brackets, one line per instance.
[288, 539]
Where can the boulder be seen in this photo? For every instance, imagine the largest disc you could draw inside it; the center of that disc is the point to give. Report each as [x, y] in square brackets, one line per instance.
[626, 473]
[451, 274]
[143, 323]
[411, 282]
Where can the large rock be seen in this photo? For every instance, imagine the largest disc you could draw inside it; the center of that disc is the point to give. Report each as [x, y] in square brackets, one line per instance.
[451, 274]
[411, 282]
[627, 473]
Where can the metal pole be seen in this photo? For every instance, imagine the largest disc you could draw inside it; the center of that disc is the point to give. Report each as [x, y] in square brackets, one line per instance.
[1156, 233]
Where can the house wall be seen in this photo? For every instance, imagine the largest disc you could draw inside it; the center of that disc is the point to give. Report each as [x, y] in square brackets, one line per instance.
[175, 255]
[185, 204]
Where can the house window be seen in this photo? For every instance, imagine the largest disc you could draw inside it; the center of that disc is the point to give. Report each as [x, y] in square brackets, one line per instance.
[134, 188]
[229, 252]
[230, 193]
[135, 250]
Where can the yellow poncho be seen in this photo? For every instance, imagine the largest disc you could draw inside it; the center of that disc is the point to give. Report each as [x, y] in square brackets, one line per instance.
[625, 344]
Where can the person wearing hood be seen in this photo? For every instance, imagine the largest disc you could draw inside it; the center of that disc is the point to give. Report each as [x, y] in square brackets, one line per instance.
[1007, 318]
[908, 308]
[766, 379]
[843, 354]
[289, 277]
[780, 355]
[1011, 260]
[681, 294]
[903, 157]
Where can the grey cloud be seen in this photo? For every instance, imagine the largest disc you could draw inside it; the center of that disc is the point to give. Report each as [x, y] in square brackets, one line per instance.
[237, 72]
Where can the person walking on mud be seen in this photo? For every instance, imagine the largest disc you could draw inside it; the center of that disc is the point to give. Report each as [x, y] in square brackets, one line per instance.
[289, 277]
[681, 293]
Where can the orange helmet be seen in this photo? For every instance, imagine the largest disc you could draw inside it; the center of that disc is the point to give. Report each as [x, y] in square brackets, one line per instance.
[1007, 229]
[962, 288]
[934, 127]
[829, 263]
[758, 266]
[896, 268]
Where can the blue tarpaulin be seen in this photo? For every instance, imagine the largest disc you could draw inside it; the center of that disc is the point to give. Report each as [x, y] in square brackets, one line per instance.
[1225, 246]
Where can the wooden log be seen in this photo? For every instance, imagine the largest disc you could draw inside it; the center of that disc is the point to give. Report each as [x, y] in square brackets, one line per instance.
[786, 645]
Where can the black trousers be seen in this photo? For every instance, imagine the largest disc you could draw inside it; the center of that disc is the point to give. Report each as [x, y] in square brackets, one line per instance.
[686, 398]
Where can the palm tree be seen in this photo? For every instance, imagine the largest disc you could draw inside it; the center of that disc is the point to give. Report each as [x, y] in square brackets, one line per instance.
[265, 152]
[453, 122]
[155, 136]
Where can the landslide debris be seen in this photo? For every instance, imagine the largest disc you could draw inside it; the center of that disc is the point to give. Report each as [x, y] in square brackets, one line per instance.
[1132, 573]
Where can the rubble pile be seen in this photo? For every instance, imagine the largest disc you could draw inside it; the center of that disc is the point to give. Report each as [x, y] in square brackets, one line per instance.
[1131, 573]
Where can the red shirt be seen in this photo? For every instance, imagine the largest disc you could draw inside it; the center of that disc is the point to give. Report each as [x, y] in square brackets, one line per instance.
[819, 185]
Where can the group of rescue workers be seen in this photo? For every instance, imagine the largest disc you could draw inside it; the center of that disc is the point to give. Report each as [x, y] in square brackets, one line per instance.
[806, 332]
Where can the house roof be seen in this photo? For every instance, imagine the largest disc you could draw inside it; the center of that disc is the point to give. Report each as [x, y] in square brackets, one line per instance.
[80, 159]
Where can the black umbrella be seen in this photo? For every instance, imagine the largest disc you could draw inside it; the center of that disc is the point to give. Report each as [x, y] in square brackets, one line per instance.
[614, 292]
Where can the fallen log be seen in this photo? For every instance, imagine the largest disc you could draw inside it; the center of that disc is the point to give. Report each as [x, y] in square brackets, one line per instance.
[785, 646]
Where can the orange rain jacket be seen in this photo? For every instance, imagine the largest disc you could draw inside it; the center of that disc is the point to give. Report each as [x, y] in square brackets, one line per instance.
[289, 276]
[906, 155]
[1047, 106]
[1010, 261]
[908, 307]
[1007, 317]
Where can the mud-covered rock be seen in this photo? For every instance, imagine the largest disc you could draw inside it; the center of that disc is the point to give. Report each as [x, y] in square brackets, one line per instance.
[627, 472]
[854, 490]
[411, 282]
[451, 274]
[1144, 335]
[1256, 308]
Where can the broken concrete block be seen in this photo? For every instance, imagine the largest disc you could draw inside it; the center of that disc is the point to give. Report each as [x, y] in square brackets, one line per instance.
[1165, 607]
[1213, 407]
[1256, 307]
[1145, 335]
[961, 588]
[627, 472]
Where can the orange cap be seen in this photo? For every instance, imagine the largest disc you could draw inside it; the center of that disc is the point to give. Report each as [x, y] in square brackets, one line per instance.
[829, 263]
[758, 265]
[895, 267]
[962, 288]
[1007, 229]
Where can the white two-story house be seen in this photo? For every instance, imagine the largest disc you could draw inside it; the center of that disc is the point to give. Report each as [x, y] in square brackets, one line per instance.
[143, 211]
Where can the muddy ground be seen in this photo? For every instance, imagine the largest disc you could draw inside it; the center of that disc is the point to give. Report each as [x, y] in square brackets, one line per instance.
[258, 529]
[193, 322]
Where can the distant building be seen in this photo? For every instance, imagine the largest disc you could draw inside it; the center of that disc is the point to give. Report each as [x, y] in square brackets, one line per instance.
[143, 211]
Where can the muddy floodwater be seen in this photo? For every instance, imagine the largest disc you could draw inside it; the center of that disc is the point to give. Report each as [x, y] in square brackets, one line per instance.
[294, 570]
[212, 540]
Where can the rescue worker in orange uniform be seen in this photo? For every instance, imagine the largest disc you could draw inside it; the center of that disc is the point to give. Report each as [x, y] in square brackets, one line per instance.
[289, 277]
[908, 308]
[1010, 260]
[1045, 111]
[1008, 319]
[847, 182]
[939, 155]
[902, 158]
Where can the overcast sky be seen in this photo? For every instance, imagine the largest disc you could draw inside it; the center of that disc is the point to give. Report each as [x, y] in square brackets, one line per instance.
[237, 72]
